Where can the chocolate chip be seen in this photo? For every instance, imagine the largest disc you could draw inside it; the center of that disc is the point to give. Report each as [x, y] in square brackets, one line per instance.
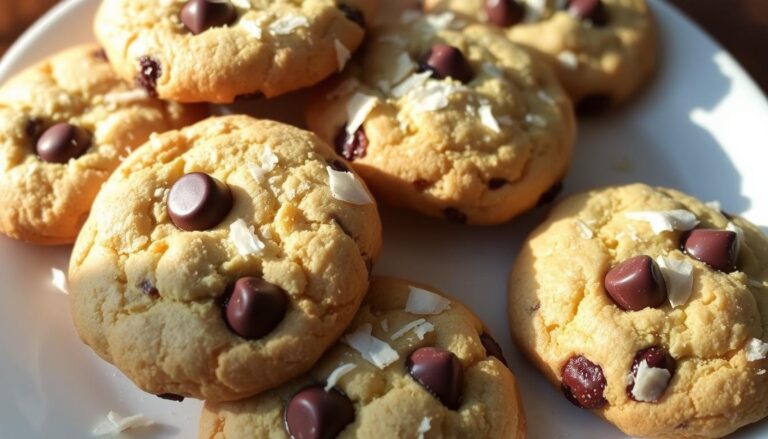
[455, 215]
[171, 397]
[353, 15]
[421, 184]
[550, 195]
[313, 413]
[594, 104]
[636, 284]
[447, 61]
[63, 142]
[492, 349]
[440, 372]
[338, 165]
[654, 356]
[149, 71]
[198, 202]
[255, 307]
[504, 13]
[149, 289]
[583, 383]
[353, 146]
[496, 183]
[716, 248]
[201, 15]
[592, 11]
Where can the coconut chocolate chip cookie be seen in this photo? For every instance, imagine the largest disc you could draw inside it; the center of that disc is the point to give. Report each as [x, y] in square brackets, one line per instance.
[65, 124]
[219, 50]
[449, 120]
[602, 50]
[650, 308]
[415, 364]
[223, 259]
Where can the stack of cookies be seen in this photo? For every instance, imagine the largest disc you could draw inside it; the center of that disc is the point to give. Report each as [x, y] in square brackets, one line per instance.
[229, 259]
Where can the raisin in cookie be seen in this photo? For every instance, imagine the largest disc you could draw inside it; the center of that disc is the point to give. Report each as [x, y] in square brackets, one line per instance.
[415, 364]
[650, 308]
[223, 259]
[452, 122]
[65, 124]
[215, 51]
[603, 50]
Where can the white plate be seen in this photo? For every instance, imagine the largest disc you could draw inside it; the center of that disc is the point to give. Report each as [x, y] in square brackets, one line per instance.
[700, 127]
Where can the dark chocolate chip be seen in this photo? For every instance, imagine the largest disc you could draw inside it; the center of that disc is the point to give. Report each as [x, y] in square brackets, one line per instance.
[716, 248]
[583, 383]
[353, 146]
[496, 183]
[149, 71]
[149, 289]
[550, 195]
[313, 413]
[255, 307]
[447, 61]
[654, 356]
[201, 15]
[421, 184]
[455, 215]
[198, 202]
[171, 397]
[338, 165]
[504, 13]
[492, 349]
[593, 11]
[353, 15]
[63, 142]
[439, 371]
[636, 284]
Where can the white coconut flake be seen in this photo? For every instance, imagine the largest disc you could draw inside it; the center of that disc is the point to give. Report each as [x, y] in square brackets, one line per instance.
[344, 88]
[424, 427]
[732, 227]
[761, 372]
[423, 329]
[244, 239]
[336, 375]
[584, 229]
[126, 97]
[433, 96]
[650, 382]
[756, 350]
[384, 325]
[257, 172]
[423, 302]
[287, 24]
[342, 54]
[568, 59]
[666, 221]
[402, 331]
[411, 83]
[535, 120]
[678, 275]
[440, 21]
[253, 27]
[373, 350]
[116, 424]
[345, 186]
[242, 4]
[487, 118]
[754, 283]
[59, 280]
[358, 109]
[714, 205]
[403, 68]
[545, 97]
[268, 159]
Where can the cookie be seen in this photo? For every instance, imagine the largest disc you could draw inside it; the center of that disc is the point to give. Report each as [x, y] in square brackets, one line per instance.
[648, 307]
[413, 364]
[603, 50]
[223, 259]
[217, 51]
[453, 122]
[65, 124]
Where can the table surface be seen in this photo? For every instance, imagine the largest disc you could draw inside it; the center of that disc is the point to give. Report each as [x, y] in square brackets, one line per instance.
[740, 25]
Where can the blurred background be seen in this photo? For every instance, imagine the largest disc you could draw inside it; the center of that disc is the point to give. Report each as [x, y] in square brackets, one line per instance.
[740, 25]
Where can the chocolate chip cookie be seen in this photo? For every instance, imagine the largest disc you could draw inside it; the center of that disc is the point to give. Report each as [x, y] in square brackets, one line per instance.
[65, 124]
[450, 120]
[602, 50]
[223, 259]
[219, 50]
[649, 308]
[414, 364]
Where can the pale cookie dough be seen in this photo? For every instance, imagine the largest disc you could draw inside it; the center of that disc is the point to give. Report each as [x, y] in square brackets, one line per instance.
[584, 302]
[451, 351]
[217, 51]
[45, 198]
[481, 145]
[281, 216]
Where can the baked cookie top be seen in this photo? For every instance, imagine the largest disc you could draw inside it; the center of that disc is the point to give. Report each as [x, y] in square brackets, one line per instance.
[449, 120]
[223, 259]
[414, 364]
[217, 50]
[602, 50]
[650, 307]
[65, 124]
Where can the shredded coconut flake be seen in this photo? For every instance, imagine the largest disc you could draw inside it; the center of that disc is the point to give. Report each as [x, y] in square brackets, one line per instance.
[345, 186]
[126, 97]
[732, 227]
[402, 331]
[242, 4]
[584, 229]
[424, 427]
[440, 21]
[433, 96]
[358, 109]
[336, 375]
[411, 83]
[257, 172]
[761, 372]
[244, 239]
[666, 221]
[486, 116]
[59, 280]
[342, 54]
[373, 350]
[403, 68]
[423, 302]
[423, 329]
[714, 205]
[116, 424]
[650, 382]
[253, 27]
[568, 59]
[678, 275]
[756, 350]
[287, 24]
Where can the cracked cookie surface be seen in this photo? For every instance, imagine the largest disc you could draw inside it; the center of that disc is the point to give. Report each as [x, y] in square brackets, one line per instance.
[166, 305]
[390, 402]
[202, 50]
[480, 145]
[46, 194]
[703, 345]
